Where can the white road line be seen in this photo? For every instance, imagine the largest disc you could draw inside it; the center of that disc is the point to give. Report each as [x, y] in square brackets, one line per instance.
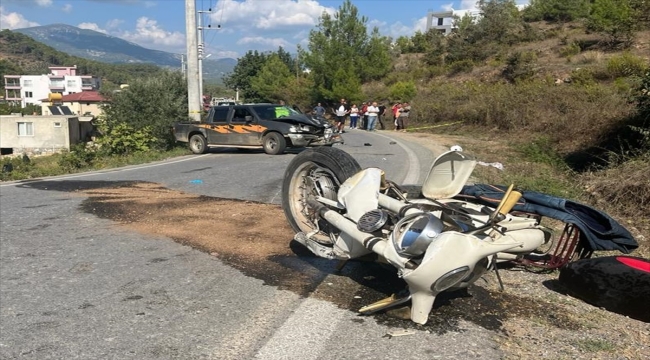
[99, 172]
[304, 334]
[413, 173]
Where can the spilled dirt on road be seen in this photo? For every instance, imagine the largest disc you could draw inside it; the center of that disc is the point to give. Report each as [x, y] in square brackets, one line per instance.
[256, 239]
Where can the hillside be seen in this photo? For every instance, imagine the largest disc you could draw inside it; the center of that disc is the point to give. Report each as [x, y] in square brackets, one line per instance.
[97, 46]
[20, 54]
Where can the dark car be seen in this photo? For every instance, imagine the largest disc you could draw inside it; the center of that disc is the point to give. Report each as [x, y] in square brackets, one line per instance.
[272, 127]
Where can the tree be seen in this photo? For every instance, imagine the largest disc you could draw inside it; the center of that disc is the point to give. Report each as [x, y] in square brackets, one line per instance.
[246, 69]
[345, 84]
[500, 21]
[614, 18]
[556, 10]
[341, 45]
[272, 81]
[149, 105]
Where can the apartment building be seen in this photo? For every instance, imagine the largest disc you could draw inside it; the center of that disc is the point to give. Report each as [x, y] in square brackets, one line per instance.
[32, 89]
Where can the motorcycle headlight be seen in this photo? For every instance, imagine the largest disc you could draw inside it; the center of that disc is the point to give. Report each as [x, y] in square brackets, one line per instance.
[414, 233]
[450, 279]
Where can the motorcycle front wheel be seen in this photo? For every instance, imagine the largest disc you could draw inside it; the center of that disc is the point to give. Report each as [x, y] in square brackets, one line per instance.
[315, 172]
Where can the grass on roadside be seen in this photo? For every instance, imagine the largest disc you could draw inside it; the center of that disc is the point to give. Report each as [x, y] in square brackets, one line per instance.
[72, 162]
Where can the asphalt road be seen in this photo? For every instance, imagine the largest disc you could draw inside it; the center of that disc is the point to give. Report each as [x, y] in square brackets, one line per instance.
[74, 286]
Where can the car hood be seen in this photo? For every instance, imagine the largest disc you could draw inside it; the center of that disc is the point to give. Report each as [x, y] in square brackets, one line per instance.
[303, 119]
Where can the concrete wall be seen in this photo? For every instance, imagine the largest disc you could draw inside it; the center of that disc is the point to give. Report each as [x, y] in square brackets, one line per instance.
[76, 108]
[51, 134]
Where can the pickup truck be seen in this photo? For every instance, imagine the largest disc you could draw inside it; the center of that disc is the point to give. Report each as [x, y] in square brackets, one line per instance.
[272, 127]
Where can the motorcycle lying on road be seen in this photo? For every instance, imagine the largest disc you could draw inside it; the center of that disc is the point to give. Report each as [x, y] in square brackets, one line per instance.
[436, 243]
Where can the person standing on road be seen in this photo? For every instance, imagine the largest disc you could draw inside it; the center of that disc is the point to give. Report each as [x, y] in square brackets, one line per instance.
[354, 116]
[364, 115]
[373, 112]
[403, 118]
[380, 116]
[341, 112]
[395, 110]
[319, 111]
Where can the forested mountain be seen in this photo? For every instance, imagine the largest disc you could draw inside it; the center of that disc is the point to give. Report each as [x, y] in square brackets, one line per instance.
[94, 53]
[22, 55]
[93, 45]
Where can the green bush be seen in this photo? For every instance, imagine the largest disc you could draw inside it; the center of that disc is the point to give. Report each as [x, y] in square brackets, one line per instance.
[520, 66]
[15, 167]
[582, 76]
[79, 156]
[122, 138]
[403, 91]
[556, 10]
[570, 50]
[626, 64]
[615, 19]
[460, 66]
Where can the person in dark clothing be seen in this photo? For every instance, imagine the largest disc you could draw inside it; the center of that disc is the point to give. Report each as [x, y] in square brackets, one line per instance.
[380, 118]
[319, 111]
[364, 115]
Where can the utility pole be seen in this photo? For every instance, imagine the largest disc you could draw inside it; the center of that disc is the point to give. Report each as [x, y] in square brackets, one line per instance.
[193, 97]
[201, 49]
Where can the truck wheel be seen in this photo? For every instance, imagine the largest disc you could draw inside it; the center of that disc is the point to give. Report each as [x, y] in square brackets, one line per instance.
[274, 143]
[198, 145]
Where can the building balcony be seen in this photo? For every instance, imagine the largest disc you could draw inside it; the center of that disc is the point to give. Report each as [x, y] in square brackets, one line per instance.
[12, 86]
[57, 87]
[88, 87]
[13, 98]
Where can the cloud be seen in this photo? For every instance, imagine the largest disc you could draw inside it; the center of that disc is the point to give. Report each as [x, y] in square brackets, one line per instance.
[14, 20]
[220, 54]
[150, 4]
[114, 23]
[468, 5]
[67, 8]
[28, 3]
[269, 43]
[269, 15]
[147, 33]
[92, 26]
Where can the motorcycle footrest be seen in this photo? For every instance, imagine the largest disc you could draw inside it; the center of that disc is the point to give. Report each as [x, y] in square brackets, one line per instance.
[383, 304]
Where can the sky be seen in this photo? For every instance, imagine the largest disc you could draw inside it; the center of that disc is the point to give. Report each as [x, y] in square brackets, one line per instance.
[245, 25]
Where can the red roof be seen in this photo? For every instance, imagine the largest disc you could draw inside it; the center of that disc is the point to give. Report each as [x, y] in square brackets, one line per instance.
[84, 96]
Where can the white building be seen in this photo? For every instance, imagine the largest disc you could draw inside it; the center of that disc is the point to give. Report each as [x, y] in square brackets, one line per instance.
[31, 89]
[443, 21]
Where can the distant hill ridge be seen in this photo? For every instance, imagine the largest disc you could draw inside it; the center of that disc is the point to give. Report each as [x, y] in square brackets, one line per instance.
[93, 45]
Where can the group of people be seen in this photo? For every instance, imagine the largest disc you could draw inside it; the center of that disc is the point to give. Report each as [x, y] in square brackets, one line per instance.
[401, 112]
[367, 116]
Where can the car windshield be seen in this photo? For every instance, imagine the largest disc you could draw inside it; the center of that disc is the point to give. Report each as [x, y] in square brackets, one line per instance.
[275, 111]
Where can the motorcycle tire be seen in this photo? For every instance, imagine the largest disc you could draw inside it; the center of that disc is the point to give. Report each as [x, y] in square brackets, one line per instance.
[332, 163]
[620, 284]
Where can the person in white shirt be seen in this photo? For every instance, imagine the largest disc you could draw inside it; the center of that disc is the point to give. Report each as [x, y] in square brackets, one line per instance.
[373, 112]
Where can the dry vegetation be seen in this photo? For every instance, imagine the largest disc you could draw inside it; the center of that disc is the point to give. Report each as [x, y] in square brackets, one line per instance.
[561, 113]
